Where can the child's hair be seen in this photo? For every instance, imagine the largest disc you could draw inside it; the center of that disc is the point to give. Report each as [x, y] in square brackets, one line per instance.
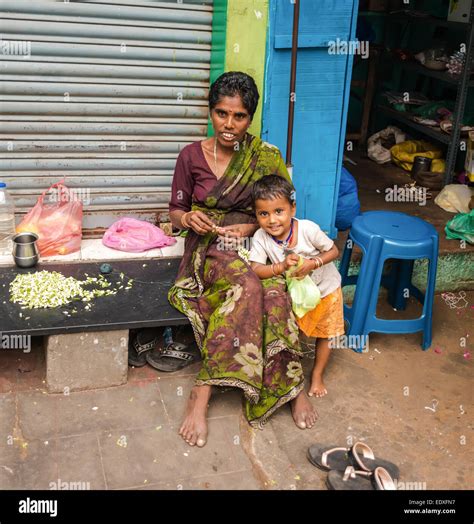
[273, 186]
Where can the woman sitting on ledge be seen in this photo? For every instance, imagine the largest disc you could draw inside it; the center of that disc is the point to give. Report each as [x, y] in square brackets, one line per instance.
[244, 327]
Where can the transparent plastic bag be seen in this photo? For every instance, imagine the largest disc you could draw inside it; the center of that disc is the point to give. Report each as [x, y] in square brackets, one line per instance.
[454, 198]
[304, 293]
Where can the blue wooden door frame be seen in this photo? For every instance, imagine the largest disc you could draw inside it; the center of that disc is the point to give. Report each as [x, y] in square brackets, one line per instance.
[322, 97]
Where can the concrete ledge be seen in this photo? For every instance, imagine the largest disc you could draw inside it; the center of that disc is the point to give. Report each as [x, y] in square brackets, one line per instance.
[81, 361]
[93, 249]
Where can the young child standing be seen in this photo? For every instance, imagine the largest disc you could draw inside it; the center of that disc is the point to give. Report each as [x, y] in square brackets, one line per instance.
[282, 238]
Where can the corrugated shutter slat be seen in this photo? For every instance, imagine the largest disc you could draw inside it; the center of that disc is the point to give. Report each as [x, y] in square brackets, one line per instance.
[112, 91]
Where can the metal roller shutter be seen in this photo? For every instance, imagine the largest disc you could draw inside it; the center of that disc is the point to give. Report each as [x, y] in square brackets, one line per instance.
[111, 93]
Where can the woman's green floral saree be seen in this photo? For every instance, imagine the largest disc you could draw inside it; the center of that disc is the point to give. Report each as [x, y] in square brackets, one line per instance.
[244, 326]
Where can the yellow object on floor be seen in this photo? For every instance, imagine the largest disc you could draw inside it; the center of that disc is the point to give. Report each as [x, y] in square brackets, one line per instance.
[469, 163]
[404, 153]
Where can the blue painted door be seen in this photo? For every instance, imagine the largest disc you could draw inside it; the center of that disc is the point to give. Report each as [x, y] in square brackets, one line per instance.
[322, 94]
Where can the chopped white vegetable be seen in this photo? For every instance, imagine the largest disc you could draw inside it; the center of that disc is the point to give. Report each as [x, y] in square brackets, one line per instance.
[50, 289]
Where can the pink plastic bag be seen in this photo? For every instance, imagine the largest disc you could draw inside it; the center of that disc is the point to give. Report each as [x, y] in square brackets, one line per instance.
[58, 225]
[130, 234]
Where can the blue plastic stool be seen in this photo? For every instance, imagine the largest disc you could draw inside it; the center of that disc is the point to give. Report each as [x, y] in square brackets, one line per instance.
[382, 235]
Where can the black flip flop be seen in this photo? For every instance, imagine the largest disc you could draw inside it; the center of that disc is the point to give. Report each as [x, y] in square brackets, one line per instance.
[358, 456]
[175, 356]
[137, 350]
[352, 479]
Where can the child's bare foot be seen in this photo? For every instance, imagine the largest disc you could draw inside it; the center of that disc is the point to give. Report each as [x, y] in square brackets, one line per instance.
[194, 428]
[303, 411]
[318, 389]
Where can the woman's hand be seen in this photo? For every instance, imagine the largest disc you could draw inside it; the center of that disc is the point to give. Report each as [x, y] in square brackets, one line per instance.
[232, 237]
[238, 230]
[199, 222]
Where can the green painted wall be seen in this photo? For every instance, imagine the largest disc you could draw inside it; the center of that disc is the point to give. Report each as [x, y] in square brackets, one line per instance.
[247, 23]
[455, 272]
[239, 44]
[219, 33]
[218, 45]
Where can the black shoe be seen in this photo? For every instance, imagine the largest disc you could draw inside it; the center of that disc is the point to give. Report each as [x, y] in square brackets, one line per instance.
[138, 348]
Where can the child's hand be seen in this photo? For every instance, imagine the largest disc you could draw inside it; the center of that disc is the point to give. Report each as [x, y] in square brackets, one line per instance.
[291, 260]
[305, 268]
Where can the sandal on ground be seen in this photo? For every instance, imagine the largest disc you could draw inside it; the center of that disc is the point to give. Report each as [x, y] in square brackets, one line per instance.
[175, 356]
[352, 479]
[137, 349]
[358, 456]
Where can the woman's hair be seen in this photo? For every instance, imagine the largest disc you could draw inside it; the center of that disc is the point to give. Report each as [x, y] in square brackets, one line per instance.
[235, 83]
[273, 186]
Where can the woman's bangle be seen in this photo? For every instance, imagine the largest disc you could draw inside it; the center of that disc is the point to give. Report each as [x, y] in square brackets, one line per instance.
[184, 224]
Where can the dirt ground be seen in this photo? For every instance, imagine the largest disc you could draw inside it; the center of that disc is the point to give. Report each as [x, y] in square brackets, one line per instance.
[411, 406]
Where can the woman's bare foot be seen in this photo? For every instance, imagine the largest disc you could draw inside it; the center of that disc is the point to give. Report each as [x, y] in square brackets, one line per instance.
[194, 428]
[318, 389]
[303, 412]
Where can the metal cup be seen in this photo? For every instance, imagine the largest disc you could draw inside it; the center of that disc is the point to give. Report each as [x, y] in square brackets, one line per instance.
[420, 163]
[25, 250]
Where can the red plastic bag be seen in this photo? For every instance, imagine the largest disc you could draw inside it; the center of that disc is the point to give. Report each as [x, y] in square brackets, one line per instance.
[135, 236]
[58, 225]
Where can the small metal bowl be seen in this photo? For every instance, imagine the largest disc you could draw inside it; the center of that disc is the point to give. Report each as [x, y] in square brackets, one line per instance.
[24, 245]
[25, 262]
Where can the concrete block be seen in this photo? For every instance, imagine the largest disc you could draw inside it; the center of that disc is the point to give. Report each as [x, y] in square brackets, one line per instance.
[91, 360]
